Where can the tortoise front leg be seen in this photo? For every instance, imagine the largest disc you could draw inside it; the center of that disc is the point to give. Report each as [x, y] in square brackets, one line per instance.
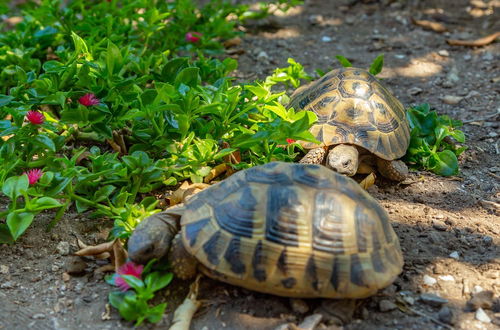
[395, 170]
[314, 156]
[184, 265]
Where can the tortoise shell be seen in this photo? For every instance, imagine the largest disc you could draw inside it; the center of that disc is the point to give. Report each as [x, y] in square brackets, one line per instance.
[353, 107]
[295, 230]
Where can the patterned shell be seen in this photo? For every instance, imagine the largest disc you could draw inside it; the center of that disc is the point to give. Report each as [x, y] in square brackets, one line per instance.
[293, 230]
[354, 107]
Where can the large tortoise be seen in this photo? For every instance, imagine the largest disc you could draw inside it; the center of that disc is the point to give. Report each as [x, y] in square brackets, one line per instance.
[294, 230]
[358, 118]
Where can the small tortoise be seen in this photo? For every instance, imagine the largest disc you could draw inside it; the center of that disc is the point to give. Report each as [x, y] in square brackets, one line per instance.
[294, 230]
[357, 118]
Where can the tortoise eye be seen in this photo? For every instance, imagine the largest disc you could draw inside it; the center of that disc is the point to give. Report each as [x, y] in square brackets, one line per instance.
[346, 163]
[149, 250]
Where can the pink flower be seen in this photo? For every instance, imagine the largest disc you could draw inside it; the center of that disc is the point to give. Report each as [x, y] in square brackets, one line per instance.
[290, 141]
[193, 36]
[34, 175]
[128, 268]
[35, 117]
[88, 100]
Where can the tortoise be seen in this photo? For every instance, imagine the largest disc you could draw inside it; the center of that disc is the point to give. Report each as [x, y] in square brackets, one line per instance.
[293, 230]
[358, 118]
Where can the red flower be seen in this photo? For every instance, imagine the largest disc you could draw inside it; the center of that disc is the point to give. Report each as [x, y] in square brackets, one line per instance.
[290, 141]
[35, 117]
[34, 175]
[129, 268]
[193, 36]
[88, 100]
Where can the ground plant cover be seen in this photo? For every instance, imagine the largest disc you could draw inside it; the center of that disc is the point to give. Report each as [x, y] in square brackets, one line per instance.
[107, 107]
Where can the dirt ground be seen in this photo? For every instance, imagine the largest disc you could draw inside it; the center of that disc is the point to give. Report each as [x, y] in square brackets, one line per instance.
[449, 227]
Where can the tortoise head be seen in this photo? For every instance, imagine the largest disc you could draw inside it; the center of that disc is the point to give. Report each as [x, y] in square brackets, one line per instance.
[152, 237]
[343, 159]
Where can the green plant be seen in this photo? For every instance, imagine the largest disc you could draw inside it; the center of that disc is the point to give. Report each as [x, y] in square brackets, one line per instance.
[430, 145]
[133, 304]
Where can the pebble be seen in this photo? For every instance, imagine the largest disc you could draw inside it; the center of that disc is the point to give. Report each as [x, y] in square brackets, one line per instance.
[439, 225]
[467, 57]
[452, 78]
[4, 269]
[75, 266]
[487, 56]
[7, 285]
[315, 19]
[451, 99]
[38, 316]
[447, 278]
[262, 55]
[414, 91]
[350, 20]
[299, 306]
[482, 316]
[447, 315]
[386, 305]
[477, 289]
[326, 39]
[455, 255]
[432, 299]
[429, 281]
[483, 299]
[63, 248]
[472, 94]
[409, 300]
[444, 52]
[487, 240]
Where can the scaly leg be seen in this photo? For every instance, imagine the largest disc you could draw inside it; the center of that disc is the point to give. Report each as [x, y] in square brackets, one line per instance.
[395, 170]
[314, 156]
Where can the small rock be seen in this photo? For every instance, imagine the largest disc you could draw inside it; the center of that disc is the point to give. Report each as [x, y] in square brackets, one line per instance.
[310, 322]
[439, 225]
[444, 52]
[487, 240]
[467, 57]
[432, 299]
[386, 305]
[299, 306]
[414, 91]
[487, 56]
[455, 255]
[75, 266]
[350, 20]
[315, 19]
[326, 39]
[482, 316]
[409, 300]
[38, 316]
[452, 78]
[451, 99]
[472, 94]
[262, 55]
[483, 299]
[55, 268]
[477, 289]
[7, 285]
[435, 238]
[447, 278]
[447, 315]
[63, 248]
[4, 269]
[66, 277]
[429, 281]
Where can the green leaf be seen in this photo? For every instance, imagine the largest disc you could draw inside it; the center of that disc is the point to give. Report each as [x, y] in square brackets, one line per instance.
[18, 222]
[103, 193]
[45, 142]
[81, 47]
[44, 203]
[189, 77]
[134, 282]
[5, 236]
[156, 281]
[172, 68]
[15, 186]
[377, 65]
[5, 99]
[444, 163]
[343, 61]
[114, 59]
[458, 135]
[155, 314]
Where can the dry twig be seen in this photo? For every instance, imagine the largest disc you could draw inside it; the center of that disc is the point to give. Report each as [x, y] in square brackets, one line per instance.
[475, 43]
[429, 25]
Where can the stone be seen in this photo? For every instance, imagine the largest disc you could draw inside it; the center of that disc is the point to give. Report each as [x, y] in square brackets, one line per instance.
[477, 289]
[38, 316]
[429, 281]
[409, 300]
[482, 316]
[262, 55]
[386, 305]
[454, 255]
[315, 19]
[447, 315]
[444, 52]
[414, 91]
[299, 306]
[452, 78]
[326, 39]
[432, 299]
[451, 99]
[482, 299]
[63, 248]
[439, 225]
[4, 269]
[7, 285]
[75, 266]
[447, 278]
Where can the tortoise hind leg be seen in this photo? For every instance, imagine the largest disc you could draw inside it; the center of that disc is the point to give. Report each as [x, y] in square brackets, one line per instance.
[395, 170]
[314, 156]
[183, 264]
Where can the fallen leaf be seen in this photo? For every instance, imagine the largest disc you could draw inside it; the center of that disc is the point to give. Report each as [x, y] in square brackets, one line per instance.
[475, 43]
[429, 25]
[215, 172]
[184, 191]
[368, 181]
